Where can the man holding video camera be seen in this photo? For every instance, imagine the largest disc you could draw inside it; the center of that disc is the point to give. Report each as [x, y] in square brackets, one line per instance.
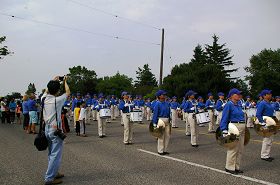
[53, 104]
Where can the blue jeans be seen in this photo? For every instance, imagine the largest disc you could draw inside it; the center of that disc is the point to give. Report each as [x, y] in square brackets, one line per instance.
[55, 153]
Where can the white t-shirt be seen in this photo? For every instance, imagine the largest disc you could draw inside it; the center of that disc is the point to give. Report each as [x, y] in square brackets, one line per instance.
[3, 104]
[82, 114]
[49, 112]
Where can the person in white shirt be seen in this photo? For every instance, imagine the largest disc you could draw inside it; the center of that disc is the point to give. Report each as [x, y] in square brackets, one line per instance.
[53, 104]
[82, 119]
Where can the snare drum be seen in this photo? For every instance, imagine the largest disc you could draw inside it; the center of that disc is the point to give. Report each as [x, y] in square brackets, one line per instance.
[105, 113]
[202, 118]
[136, 116]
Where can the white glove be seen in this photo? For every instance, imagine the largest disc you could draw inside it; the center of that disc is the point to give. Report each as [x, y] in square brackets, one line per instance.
[136, 107]
[223, 105]
[192, 108]
[96, 106]
[126, 105]
[225, 133]
[178, 108]
[263, 124]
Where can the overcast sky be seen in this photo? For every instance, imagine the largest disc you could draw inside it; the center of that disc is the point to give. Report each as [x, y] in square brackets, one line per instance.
[41, 51]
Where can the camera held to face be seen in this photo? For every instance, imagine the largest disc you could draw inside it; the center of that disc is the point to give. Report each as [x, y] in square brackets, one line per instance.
[60, 134]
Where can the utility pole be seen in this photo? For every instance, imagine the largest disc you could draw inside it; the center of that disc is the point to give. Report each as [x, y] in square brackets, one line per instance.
[161, 57]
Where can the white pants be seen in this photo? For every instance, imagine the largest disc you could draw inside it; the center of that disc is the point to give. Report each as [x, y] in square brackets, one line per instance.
[127, 134]
[234, 155]
[278, 115]
[101, 125]
[184, 115]
[113, 112]
[174, 117]
[188, 132]
[149, 116]
[266, 147]
[164, 140]
[249, 123]
[193, 128]
[82, 127]
[219, 117]
[212, 121]
[88, 114]
[94, 115]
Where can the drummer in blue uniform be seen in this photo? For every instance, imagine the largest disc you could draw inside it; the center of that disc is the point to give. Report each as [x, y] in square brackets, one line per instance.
[148, 105]
[265, 109]
[277, 107]
[102, 104]
[200, 107]
[126, 106]
[161, 118]
[88, 101]
[93, 104]
[191, 108]
[220, 106]
[210, 105]
[233, 113]
[175, 106]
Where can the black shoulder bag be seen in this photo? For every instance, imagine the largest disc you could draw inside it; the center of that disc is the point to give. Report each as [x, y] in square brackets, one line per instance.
[41, 141]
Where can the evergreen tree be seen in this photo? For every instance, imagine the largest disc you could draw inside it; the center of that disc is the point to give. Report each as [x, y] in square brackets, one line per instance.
[220, 55]
[3, 50]
[146, 80]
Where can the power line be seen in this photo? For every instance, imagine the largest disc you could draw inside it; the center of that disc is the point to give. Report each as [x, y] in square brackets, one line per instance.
[79, 30]
[114, 15]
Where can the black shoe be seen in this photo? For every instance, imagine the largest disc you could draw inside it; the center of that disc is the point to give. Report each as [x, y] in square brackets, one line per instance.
[161, 153]
[267, 159]
[166, 153]
[104, 136]
[271, 158]
[101, 136]
[231, 172]
[195, 146]
[126, 143]
[239, 171]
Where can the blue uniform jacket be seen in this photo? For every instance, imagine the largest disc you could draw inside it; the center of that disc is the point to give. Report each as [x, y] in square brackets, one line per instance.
[74, 103]
[102, 105]
[231, 113]
[200, 105]
[126, 109]
[174, 105]
[189, 106]
[210, 104]
[264, 109]
[161, 110]
[219, 105]
[277, 106]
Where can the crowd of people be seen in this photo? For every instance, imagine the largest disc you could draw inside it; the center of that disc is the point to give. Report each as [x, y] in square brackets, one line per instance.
[77, 111]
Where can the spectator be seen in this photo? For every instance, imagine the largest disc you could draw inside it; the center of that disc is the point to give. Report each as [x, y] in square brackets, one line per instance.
[18, 112]
[12, 108]
[33, 117]
[4, 111]
[25, 112]
[52, 109]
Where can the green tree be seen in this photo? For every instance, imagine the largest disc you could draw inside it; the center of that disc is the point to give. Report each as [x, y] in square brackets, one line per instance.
[31, 89]
[3, 49]
[82, 80]
[200, 75]
[115, 84]
[264, 71]
[145, 80]
[220, 55]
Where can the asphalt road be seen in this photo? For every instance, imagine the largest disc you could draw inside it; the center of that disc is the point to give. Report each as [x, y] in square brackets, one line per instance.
[92, 160]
